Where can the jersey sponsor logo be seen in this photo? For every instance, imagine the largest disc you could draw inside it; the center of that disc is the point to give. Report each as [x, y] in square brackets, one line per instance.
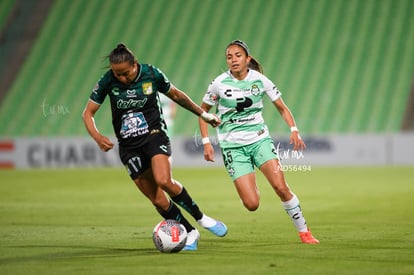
[147, 88]
[133, 125]
[238, 92]
[243, 103]
[131, 103]
[243, 120]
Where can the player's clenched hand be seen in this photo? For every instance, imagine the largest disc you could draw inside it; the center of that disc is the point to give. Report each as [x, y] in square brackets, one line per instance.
[211, 119]
[104, 143]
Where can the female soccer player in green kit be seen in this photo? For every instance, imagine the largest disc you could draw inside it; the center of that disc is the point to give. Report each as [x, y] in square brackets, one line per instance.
[244, 137]
[144, 146]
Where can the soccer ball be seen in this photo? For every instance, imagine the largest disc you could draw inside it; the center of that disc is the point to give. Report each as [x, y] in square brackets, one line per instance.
[169, 236]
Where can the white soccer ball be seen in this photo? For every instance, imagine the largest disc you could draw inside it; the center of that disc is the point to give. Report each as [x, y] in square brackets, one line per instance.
[169, 236]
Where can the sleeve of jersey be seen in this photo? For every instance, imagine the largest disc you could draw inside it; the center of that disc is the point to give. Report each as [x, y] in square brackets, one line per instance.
[272, 91]
[210, 98]
[99, 92]
[163, 84]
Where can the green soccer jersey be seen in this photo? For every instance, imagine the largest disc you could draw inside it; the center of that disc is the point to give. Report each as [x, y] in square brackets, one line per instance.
[136, 108]
[239, 106]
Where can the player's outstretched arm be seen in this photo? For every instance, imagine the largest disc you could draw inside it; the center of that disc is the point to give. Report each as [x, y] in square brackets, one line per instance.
[186, 102]
[205, 140]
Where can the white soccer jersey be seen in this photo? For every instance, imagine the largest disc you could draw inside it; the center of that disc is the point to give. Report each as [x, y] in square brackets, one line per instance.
[239, 106]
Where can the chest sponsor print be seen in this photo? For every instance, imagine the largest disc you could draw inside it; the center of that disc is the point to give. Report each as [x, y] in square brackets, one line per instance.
[133, 125]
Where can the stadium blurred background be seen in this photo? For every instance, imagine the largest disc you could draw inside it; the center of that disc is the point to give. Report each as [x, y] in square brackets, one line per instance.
[344, 67]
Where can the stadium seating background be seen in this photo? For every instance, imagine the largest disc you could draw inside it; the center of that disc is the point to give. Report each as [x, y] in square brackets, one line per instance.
[342, 66]
[5, 8]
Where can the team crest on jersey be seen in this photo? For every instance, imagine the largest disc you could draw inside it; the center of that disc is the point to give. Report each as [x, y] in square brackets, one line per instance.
[255, 90]
[147, 88]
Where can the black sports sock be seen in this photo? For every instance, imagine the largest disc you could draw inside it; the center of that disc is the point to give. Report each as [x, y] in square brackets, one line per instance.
[185, 201]
[174, 213]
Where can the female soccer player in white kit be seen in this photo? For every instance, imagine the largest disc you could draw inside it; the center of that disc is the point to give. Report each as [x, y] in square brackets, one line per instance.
[244, 137]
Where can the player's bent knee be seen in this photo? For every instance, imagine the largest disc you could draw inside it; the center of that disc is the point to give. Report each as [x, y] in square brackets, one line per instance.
[251, 206]
[169, 187]
[164, 184]
[161, 202]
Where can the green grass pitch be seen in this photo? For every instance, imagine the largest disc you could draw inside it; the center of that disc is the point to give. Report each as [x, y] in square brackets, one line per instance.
[95, 221]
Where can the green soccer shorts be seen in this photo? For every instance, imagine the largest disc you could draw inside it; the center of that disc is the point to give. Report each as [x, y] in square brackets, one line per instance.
[241, 160]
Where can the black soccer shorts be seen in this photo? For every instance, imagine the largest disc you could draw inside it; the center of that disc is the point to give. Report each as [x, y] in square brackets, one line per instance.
[138, 159]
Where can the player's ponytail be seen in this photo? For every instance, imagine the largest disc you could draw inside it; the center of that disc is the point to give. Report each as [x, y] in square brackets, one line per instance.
[121, 54]
[255, 65]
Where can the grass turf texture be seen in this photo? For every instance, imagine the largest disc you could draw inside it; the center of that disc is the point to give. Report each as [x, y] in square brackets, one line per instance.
[95, 221]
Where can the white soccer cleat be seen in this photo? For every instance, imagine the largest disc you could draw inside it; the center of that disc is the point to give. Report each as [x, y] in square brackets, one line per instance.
[192, 240]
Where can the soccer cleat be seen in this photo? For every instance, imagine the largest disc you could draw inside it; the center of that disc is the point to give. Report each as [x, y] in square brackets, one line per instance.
[192, 240]
[219, 229]
[306, 237]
